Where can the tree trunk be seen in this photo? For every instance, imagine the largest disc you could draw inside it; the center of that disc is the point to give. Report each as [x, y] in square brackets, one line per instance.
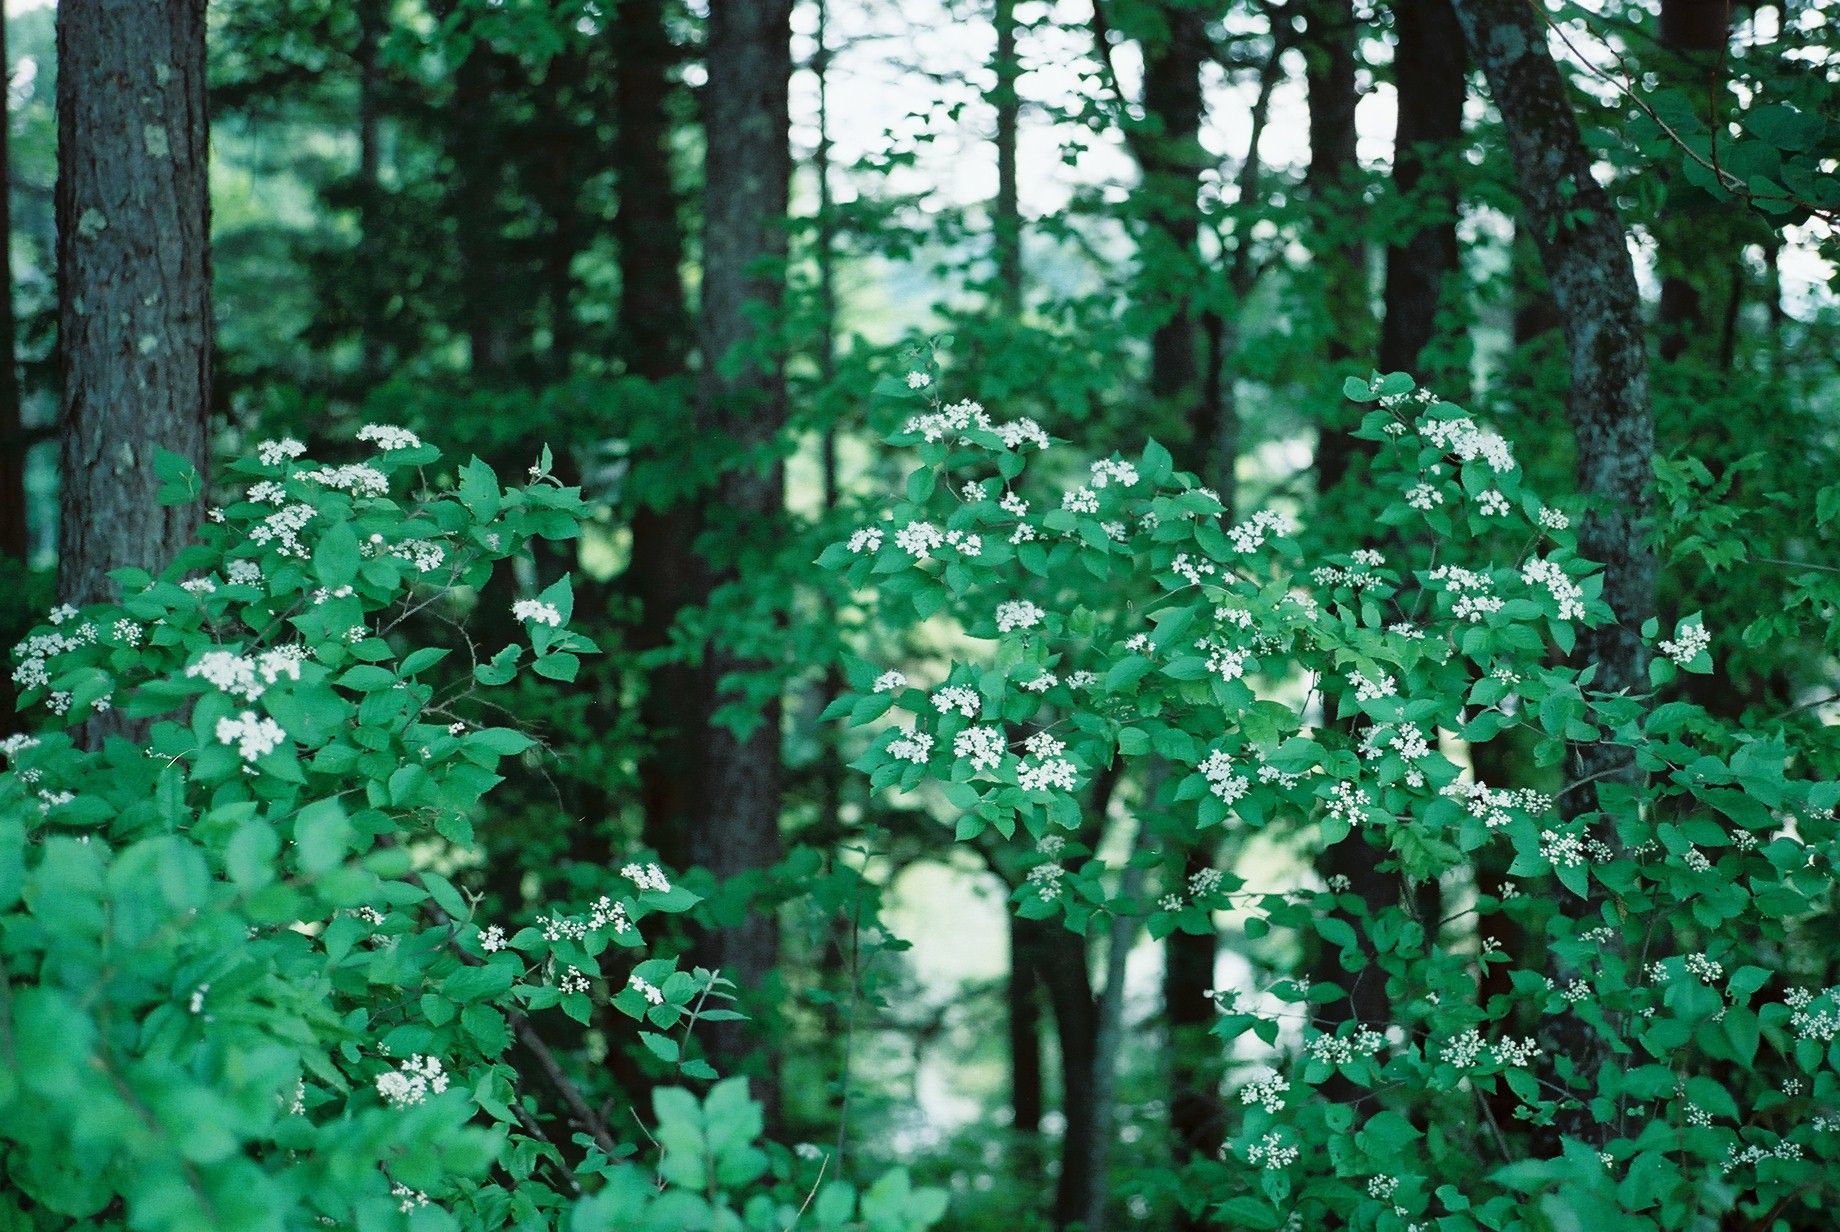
[134, 281]
[1693, 241]
[742, 400]
[1008, 210]
[652, 332]
[1585, 252]
[1171, 165]
[1430, 71]
[1064, 974]
[15, 543]
[372, 22]
[1338, 249]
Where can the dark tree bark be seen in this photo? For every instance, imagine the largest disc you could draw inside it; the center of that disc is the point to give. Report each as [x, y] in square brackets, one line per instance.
[1339, 251]
[1008, 209]
[742, 400]
[1023, 992]
[372, 21]
[1694, 242]
[15, 543]
[1171, 164]
[1430, 70]
[1062, 962]
[652, 331]
[1585, 252]
[134, 281]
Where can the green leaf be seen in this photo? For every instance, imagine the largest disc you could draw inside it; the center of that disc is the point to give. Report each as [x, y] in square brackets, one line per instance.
[322, 836]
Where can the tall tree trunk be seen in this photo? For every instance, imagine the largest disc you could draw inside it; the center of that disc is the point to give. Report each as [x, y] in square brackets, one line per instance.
[1338, 249]
[372, 23]
[134, 280]
[1008, 210]
[488, 320]
[652, 334]
[1585, 252]
[742, 400]
[1062, 959]
[1430, 71]
[1171, 156]
[1694, 36]
[15, 543]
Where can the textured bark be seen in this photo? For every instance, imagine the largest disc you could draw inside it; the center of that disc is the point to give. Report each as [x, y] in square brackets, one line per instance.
[1023, 993]
[1584, 250]
[1694, 244]
[1172, 182]
[14, 541]
[1007, 214]
[1171, 167]
[1064, 974]
[652, 331]
[134, 287]
[1585, 253]
[742, 399]
[1430, 70]
[1340, 254]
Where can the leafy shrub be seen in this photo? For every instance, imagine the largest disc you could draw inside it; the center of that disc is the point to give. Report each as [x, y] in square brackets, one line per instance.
[1612, 1015]
[239, 990]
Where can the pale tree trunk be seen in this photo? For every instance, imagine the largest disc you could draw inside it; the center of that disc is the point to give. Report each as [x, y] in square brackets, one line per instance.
[134, 283]
[14, 540]
[742, 399]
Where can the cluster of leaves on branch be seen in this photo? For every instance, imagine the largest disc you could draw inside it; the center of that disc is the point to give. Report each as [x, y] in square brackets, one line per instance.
[1598, 1008]
[238, 986]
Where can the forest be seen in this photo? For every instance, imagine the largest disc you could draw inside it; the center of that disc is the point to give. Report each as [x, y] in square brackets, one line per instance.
[883, 615]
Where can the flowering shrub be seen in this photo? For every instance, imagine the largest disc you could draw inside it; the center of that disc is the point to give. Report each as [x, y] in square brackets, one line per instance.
[1616, 1018]
[239, 990]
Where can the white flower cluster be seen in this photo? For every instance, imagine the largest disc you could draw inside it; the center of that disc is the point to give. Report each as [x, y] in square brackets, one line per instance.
[410, 1198]
[389, 438]
[918, 380]
[1491, 804]
[282, 528]
[983, 746]
[1046, 878]
[912, 746]
[1107, 471]
[651, 992]
[1366, 690]
[1423, 496]
[240, 676]
[411, 1083]
[919, 539]
[1203, 882]
[957, 697]
[866, 539]
[493, 939]
[1250, 535]
[1080, 500]
[1468, 442]
[1565, 592]
[32, 671]
[1469, 1049]
[274, 453]
[1689, 643]
[1493, 503]
[1753, 1154]
[1051, 770]
[1223, 780]
[1822, 1025]
[1552, 519]
[650, 877]
[254, 736]
[1018, 614]
[572, 981]
[1271, 1152]
[1268, 1093]
[1342, 1049]
[1228, 661]
[536, 611]
[1562, 850]
[889, 681]
[1348, 803]
[1191, 569]
[357, 479]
